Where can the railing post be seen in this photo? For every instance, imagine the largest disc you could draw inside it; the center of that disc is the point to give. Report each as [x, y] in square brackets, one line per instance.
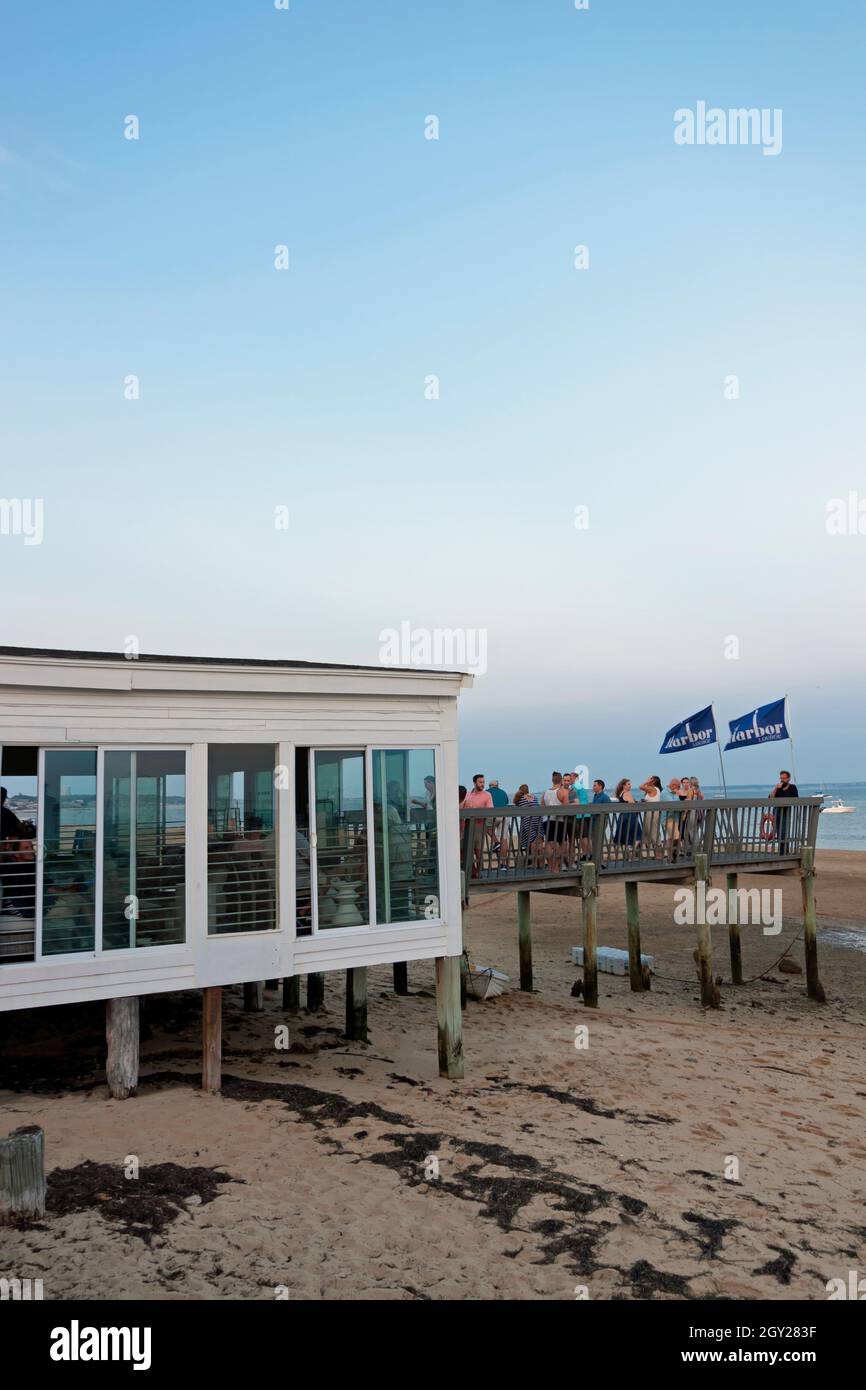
[598, 838]
[709, 833]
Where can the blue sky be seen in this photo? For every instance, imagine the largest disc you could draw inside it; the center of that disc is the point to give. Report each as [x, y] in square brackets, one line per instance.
[409, 257]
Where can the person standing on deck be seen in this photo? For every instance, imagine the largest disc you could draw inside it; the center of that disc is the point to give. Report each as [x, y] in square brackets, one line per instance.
[554, 828]
[478, 799]
[783, 789]
[499, 798]
[652, 793]
[672, 821]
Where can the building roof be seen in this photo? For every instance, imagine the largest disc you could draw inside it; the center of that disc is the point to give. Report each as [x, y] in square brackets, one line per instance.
[62, 654]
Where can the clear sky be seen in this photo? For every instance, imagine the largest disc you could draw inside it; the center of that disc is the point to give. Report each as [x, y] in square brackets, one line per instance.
[411, 257]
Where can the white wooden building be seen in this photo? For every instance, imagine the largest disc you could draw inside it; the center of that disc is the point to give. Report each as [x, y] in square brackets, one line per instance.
[174, 823]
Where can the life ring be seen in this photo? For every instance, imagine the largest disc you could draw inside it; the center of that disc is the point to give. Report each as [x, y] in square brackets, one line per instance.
[768, 826]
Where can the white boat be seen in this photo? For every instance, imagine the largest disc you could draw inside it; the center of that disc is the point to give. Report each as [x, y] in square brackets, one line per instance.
[837, 806]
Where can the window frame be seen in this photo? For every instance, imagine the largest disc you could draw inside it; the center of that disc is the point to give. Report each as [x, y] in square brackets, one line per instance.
[98, 953]
[368, 749]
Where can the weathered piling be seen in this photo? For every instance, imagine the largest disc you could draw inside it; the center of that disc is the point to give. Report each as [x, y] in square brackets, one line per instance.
[356, 1003]
[709, 988]
[589, 905]
[632, 916]
[22, 1174]
[401, 977]
[292, 994]
[814, 988]
[315, 992]
[449, 1019]
[121, 1035]
[524, 939]
[212, 1039]
[733, 904]
[254, 997]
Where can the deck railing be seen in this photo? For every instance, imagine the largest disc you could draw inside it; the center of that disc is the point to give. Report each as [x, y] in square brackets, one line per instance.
[516, 845]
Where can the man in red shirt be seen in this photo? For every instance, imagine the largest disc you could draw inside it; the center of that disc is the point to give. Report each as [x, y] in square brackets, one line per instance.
[476, 799]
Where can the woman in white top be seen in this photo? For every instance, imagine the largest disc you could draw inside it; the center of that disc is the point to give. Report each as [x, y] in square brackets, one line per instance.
[652, 792]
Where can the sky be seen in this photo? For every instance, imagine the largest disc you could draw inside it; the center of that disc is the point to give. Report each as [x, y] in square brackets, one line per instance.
[284, 478]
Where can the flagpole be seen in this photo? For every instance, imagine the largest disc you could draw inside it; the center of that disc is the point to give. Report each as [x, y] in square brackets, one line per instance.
[791, 741]
[719, 745]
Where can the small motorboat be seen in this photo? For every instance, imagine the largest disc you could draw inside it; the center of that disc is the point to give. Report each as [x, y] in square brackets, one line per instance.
[837, 806]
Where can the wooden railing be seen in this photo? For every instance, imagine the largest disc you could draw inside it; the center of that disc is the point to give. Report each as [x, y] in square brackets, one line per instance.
[517, 846]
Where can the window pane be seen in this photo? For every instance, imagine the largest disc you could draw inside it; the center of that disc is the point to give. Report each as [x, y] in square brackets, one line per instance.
[341, 840]
[18, 855]
[242, 806]
[144, 824]
[69, 863]
[303, 851]
[404, 817]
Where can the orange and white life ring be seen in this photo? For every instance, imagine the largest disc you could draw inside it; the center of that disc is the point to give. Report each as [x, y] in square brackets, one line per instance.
[768, 826]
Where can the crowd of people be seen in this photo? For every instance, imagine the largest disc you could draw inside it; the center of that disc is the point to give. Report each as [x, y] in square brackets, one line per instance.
[557, 843]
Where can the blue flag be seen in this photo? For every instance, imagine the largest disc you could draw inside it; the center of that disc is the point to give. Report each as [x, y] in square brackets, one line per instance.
[698, 731]
[766, 724]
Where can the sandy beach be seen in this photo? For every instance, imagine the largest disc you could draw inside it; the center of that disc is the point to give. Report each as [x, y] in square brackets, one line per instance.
[338, 1170]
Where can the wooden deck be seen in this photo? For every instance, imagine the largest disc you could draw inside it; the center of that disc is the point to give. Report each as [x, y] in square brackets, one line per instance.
[573, 850]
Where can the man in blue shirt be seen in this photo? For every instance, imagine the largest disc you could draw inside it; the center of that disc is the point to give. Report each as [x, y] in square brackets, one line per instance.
[500, 798]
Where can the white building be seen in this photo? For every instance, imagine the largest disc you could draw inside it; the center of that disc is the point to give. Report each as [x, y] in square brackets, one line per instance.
[181, 823]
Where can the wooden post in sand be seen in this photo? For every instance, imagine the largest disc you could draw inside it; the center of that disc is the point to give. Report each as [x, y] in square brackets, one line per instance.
[212, 1038]
[524, 939]
[449, 1019]
[292, 994]
[589, 896]
[315, 992]
[632, 916]
[814, 988]
[254, 997]
[401, 977]
[121, 1034]
[709, 988]
[733, 903]
[22, 1174]
[356, 1003]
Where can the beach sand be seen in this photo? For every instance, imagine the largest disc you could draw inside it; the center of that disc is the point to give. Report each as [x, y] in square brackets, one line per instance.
[349, 1171]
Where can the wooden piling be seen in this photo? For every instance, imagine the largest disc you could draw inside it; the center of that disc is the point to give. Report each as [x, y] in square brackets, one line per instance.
[401, 977]
[709, 988]
[292, 994]
[22, 1174]
[449, 1019]
[315, 992]
[632, 914]
[254, 997]
[589, 897]
[356, 1003]
[814, 988]
[121, 1035]
[733, 905]
[212, 1039]
[524, 939]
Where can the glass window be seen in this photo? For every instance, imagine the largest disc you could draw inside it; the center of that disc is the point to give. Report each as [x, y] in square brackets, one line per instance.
[303, 849]
[18, 855]
[341, 839]
[406, 843]
[144, 858]
[241, 838]
[69, 854]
